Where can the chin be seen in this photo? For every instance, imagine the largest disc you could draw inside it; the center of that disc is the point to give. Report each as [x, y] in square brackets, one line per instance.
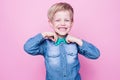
[62, 34]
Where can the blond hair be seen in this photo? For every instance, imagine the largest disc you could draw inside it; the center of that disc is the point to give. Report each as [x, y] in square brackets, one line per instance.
[62, 6]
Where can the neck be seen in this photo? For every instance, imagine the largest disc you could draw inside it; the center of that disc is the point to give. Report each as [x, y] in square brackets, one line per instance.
[61, 36]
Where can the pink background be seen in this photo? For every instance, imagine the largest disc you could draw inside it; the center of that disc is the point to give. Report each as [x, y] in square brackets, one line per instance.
[97, 21]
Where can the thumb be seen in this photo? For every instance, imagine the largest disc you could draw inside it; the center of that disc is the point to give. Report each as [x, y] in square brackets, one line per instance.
[67, 40]
[55, 37]
[52, 38]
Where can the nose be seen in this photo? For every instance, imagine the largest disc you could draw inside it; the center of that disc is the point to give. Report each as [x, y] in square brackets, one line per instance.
[62, 23]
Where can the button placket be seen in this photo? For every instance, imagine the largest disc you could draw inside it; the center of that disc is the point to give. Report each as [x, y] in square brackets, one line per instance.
[64, 62]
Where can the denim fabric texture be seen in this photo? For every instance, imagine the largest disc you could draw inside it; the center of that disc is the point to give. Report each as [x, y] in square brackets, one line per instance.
[61, 60]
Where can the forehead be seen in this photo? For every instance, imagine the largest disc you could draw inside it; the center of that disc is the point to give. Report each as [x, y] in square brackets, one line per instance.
[62, 14]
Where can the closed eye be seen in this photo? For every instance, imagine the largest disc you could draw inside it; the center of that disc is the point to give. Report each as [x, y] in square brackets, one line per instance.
[67, 20]
[57, 20]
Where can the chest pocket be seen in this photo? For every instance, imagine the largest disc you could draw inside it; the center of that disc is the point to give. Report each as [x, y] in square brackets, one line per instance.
[53, 52]
[71, 50]
[72, 54]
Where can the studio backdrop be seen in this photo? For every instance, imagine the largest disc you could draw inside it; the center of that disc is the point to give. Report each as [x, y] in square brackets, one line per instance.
[97, 21]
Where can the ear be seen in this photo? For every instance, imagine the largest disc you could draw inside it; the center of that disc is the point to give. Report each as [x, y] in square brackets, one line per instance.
[72, 23]
[50, 22]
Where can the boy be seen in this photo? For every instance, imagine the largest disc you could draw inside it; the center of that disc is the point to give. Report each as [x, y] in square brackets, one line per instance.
[60, 49]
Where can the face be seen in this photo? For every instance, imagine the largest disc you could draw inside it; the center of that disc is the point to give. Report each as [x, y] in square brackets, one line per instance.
[61, 23]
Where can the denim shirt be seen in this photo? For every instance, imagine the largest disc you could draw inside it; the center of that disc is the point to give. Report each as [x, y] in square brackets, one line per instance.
[61, 61]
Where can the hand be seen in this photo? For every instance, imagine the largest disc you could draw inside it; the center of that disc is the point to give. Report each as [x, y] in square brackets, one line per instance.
[50, 35]
[70, 39]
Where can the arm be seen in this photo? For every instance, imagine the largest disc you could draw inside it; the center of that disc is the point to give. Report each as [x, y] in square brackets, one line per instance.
[35, 45]
[86, 49]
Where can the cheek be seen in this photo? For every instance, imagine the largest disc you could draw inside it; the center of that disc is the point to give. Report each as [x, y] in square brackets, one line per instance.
[56, 24]
[70, 27]
[69, 24]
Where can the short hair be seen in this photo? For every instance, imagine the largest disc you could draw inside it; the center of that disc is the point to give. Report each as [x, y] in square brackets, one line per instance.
[61, 6]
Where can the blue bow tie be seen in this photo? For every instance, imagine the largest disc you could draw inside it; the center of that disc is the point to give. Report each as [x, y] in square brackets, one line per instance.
[60, 40]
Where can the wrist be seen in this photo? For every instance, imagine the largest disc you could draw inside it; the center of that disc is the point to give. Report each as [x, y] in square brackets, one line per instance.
[79, 41]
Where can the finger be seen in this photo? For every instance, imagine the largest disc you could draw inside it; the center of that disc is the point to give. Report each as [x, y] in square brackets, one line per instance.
[55, 37]
[67, 40]
[51, 38]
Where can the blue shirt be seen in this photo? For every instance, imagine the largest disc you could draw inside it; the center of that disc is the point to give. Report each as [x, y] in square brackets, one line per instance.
[62, 60]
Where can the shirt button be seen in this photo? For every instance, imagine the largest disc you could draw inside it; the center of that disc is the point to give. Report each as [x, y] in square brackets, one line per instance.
[64, 75]
[63, 55]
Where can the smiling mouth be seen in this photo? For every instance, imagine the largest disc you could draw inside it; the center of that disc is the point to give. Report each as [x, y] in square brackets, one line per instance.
[62, 29]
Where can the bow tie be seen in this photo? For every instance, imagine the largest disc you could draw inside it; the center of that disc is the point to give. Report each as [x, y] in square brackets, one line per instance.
[60, 40]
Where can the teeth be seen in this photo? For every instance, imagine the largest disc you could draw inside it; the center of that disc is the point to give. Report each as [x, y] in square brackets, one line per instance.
[62, 29]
